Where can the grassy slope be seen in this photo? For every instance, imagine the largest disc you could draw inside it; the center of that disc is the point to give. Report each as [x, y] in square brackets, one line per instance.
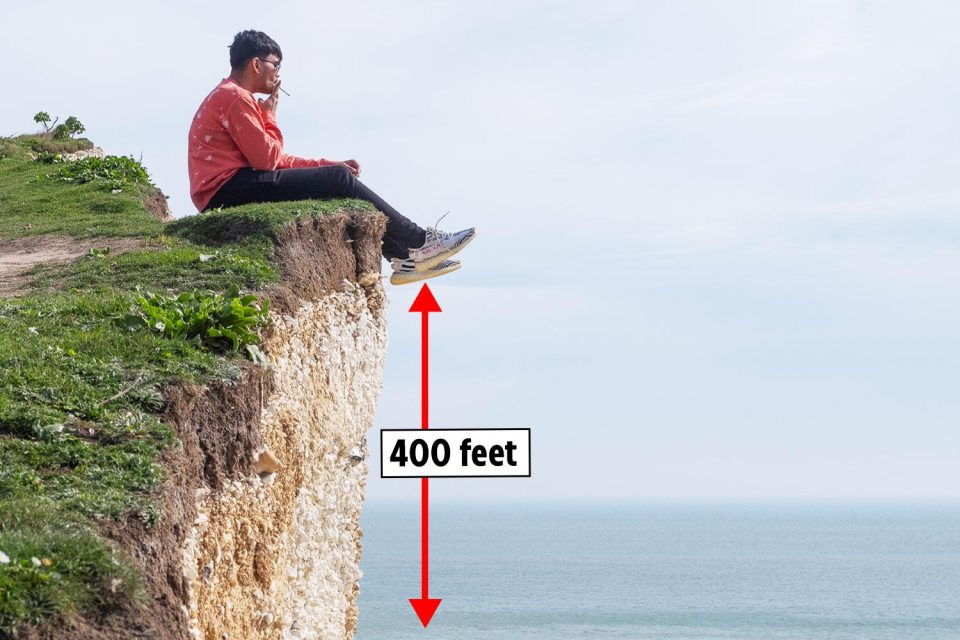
[89, 211]
[79, 396]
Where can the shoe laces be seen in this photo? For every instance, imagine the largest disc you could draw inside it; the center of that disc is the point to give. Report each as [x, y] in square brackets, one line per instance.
[436, 233]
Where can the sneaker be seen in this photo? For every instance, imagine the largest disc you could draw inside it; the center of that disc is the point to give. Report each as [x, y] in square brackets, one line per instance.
[407, 271]
[441, 245]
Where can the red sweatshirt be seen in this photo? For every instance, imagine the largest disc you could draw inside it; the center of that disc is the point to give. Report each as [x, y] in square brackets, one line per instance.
[229, 132]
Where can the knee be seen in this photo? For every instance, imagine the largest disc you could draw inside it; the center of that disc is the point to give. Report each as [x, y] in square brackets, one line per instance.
[344, 174]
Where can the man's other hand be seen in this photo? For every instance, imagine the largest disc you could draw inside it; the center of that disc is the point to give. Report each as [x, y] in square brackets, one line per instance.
[270, 104]
[353, 165]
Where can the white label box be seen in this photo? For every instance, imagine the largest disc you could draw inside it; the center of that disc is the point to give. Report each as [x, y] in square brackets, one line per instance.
[455, 453]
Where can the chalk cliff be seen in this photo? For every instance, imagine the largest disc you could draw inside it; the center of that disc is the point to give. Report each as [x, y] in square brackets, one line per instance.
[272, 473]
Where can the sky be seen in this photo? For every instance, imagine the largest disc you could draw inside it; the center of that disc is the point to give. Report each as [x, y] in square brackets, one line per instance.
[718, 242]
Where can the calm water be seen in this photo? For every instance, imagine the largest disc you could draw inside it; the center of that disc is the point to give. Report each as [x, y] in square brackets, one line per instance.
[671, 572]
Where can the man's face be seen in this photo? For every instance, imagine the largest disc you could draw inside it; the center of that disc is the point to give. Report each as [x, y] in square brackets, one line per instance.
[266, 70]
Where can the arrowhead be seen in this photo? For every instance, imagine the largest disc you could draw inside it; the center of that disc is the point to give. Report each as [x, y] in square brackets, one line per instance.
[425, 302]
[425, 607]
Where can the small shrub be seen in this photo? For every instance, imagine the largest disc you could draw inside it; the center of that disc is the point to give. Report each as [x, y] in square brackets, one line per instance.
[68, 129]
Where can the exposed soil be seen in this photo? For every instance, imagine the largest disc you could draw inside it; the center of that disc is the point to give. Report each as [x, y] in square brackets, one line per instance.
[316, 255]
[158, 207]
[20, 255]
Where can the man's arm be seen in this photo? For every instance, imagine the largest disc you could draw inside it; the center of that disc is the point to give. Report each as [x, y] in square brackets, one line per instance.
[288, 161]
[259, 140]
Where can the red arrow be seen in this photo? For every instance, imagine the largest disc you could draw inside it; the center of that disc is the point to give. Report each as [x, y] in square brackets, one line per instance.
[425, 606]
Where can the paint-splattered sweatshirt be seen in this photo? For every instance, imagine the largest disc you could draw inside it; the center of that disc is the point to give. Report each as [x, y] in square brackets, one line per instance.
[229, 132]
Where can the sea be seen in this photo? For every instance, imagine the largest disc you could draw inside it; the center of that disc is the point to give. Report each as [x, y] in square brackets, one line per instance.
[551, 571]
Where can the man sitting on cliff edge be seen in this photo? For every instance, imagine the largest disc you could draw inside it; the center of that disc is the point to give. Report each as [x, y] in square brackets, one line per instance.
[235, 156]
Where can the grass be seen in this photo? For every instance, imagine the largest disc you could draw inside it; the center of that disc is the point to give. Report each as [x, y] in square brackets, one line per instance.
[168, 263]
[26, 203]
[80, 396]
[49, 563]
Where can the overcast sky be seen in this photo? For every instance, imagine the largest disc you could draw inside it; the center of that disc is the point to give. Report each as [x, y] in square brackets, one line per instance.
[718, 241]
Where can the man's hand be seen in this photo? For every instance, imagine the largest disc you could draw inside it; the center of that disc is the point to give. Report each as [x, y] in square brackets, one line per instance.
[353, 165]
[270, 104]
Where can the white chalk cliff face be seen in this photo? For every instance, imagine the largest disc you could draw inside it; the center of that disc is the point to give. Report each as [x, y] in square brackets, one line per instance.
[276, 554]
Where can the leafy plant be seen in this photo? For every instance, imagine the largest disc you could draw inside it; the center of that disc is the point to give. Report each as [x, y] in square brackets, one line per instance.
[113, 172]
[221, 322]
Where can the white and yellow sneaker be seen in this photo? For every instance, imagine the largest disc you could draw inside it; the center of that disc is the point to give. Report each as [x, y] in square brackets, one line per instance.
[409, 270]
[441, 245]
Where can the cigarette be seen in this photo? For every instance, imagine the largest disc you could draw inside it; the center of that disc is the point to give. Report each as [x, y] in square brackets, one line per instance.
[282, 89]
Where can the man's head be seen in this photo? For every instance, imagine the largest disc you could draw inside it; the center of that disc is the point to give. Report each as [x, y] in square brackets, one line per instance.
[255, 58]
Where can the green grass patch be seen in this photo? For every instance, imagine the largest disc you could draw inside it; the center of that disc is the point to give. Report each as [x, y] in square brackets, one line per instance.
[168, 264]
[253, 224]
[54, 565]
[78, 401]
[32, 205]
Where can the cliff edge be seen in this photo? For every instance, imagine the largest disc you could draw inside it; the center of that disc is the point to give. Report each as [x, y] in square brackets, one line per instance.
[161, 480]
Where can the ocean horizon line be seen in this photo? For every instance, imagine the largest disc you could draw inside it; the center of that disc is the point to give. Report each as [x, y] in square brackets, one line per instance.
[677, 502]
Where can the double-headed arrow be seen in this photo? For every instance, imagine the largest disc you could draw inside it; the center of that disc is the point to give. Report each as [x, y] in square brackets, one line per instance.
[425, 606]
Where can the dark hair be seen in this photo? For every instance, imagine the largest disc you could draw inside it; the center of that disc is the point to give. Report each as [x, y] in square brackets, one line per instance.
[251, 44]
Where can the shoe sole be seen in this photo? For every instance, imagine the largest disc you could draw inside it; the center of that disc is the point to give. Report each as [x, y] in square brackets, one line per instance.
[417, 276]
[430, 263]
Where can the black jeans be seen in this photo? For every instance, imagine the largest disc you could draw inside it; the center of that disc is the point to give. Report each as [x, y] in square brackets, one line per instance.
[252, 185]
